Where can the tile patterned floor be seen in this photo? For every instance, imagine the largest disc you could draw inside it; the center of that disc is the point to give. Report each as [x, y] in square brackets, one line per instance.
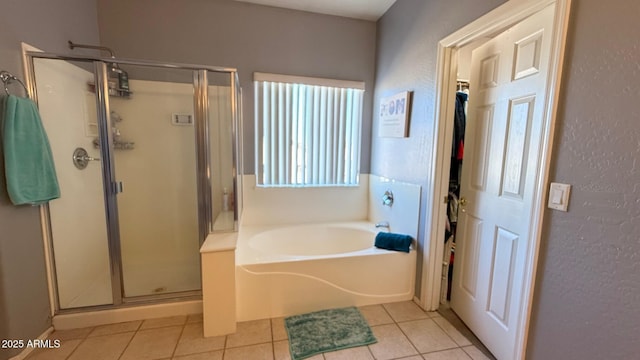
[403, 330]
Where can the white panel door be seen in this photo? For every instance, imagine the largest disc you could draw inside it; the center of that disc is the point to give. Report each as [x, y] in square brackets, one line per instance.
[502, 159]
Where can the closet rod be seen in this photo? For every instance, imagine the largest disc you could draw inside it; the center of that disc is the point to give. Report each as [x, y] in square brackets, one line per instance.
[462, 85]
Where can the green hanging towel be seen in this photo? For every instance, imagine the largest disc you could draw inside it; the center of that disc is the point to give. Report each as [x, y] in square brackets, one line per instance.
[28, 162]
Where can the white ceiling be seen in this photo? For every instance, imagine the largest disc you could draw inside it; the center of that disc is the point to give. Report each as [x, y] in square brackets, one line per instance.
[360, 9]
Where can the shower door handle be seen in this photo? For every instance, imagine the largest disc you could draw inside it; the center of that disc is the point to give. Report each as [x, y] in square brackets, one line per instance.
[117, 187]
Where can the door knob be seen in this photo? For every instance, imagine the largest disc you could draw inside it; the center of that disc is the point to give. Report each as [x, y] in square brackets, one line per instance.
[462, 203]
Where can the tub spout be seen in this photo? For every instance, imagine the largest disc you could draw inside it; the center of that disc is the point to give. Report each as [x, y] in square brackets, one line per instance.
[383, 224]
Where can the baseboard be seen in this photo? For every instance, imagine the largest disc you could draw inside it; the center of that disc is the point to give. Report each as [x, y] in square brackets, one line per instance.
[27, 350]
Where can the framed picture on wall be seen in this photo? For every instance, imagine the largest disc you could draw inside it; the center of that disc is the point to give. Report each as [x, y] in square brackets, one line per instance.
[394, 115]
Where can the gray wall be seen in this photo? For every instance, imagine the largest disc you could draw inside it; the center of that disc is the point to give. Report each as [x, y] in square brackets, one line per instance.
[24, 299]
[247, 37]
[408, 35]
[588, 285]
[587, 299]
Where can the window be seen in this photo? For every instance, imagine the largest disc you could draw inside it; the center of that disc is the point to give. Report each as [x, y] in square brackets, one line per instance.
[308, 130]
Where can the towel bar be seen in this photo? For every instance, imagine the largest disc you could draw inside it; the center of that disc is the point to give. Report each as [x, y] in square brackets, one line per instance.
[7, 78]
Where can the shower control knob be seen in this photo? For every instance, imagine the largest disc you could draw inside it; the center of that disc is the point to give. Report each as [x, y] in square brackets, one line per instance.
[387, 198]
[81, 158]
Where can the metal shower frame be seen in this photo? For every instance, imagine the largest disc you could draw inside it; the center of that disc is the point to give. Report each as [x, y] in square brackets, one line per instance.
[203, 168]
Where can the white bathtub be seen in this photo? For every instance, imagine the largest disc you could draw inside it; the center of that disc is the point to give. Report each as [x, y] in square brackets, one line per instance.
[282, 271]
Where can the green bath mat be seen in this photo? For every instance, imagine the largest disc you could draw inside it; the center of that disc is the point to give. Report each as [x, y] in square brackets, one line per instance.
[327, 330]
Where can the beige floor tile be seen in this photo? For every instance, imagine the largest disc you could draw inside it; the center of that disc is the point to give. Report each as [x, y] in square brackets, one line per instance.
[391, 343]
[153, 344]
[164, 322]
[61, 353]
[71, 334]
[278, 330]
[281, 350]
[194, 318]
[253, 352]
[475, 353]
[250, 333]
[405, 311]
[214, 355]
[108, 347]
[453, 354]
[115, 328]
[431, 334]
[427, 336]
[193, 341]
[357, 353]
[452, 331]
[376, 315]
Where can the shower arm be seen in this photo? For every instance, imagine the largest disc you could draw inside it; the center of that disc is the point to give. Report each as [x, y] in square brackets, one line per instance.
[114, 66]
[73, 45]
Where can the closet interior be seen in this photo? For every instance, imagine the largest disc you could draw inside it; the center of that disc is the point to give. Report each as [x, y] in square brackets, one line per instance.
[455, 172]
[460, 119]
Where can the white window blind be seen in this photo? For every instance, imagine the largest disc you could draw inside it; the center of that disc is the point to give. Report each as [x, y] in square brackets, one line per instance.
[308, 130]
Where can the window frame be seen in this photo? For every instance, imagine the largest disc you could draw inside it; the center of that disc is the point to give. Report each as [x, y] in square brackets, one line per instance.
[334, 102]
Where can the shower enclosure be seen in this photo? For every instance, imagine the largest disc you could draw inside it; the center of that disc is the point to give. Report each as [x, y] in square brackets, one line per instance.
[146, 159]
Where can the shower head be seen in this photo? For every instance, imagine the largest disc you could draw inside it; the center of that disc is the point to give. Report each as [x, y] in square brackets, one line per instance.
[115, 68]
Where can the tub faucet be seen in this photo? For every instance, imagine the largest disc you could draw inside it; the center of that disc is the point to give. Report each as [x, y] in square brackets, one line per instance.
[383, 224]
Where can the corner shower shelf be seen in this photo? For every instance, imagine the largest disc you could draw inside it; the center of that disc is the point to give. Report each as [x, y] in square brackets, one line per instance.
[117, 144]
[117, 92]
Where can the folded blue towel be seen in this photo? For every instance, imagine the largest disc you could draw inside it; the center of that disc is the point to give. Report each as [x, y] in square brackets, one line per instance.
[391, 241]
[28, 162]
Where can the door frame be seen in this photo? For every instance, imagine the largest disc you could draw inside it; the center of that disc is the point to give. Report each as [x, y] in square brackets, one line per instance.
[487, 26]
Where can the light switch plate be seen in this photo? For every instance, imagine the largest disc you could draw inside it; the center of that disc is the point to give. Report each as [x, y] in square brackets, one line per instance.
[559, 196]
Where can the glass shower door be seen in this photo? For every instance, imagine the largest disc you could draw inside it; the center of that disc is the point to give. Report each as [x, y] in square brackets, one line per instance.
[153, 128]
[79, 238]
[144, 154]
